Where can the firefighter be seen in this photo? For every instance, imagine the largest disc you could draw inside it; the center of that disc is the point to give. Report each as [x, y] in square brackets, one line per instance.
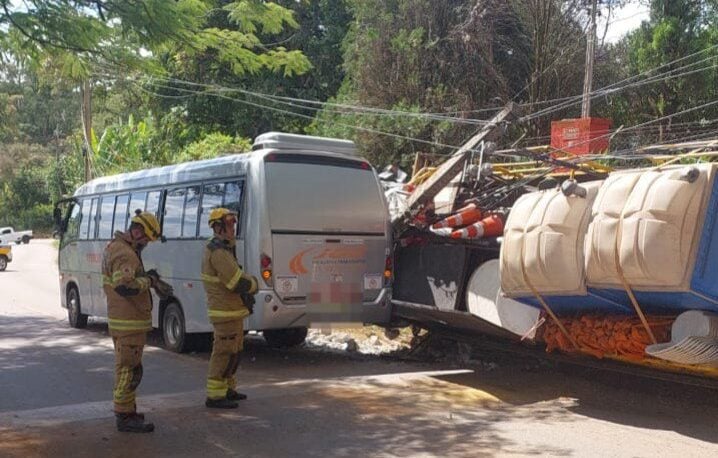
[230, 299]
[129, 308]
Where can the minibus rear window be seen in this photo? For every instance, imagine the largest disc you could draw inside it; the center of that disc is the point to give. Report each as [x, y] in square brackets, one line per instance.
[323, 198]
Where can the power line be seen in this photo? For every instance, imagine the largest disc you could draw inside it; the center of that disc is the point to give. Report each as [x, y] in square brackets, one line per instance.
[291, 101]
[213, 91]
[291, 113]
[611, 91]
[626, 82]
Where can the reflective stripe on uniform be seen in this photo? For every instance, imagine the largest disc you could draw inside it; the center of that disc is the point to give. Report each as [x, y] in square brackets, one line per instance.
[253, 289]
[129, 325]
[209, 278]
[107, 280]
[214, 313]
[216, 389]
[122, 395]
[234, 280]
[144, 282]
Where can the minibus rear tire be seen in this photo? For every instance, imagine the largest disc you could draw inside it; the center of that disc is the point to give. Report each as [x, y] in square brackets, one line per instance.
[290, 337]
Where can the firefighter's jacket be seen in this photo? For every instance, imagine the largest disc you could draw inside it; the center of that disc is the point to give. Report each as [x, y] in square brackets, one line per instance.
[224, 280]
[129, 304]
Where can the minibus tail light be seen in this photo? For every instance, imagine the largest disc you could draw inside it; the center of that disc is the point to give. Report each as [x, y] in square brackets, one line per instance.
[266, 263]
[388, 271]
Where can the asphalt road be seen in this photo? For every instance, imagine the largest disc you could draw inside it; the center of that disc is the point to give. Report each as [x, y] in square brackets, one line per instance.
[56, 382]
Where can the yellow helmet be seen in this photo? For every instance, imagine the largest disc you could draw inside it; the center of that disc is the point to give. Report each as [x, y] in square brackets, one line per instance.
[217, 214]
[149, 223]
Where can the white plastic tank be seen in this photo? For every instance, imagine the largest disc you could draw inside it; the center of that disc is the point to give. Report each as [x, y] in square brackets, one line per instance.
[544, 236]
[485, 300]
[653, 220]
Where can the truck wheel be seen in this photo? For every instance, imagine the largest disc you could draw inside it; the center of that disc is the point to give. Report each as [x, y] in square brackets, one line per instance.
[25, 239]
[173, 329]
[77, 319]
[18, 242]
[3, 262]
[278, 338]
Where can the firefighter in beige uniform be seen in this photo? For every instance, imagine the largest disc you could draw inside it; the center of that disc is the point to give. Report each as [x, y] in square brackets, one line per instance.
[230, 299]
[129, 312]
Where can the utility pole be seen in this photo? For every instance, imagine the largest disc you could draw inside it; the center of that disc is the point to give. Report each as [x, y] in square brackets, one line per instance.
[86, 111]
[590, 54]
[443, 175]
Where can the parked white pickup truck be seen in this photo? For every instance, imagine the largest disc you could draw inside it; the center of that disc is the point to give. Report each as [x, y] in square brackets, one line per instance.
[8, 235]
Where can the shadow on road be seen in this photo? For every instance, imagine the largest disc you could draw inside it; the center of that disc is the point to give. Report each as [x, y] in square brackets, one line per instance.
[613, 397]
[306, 402]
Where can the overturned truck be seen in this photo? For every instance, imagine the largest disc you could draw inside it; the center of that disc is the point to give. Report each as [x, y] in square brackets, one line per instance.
[571, 257]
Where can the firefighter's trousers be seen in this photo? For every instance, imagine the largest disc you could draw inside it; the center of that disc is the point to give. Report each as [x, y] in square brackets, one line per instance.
[223, 364]
[128, 370]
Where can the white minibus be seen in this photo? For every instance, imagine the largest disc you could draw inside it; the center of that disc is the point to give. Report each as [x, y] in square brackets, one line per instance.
[313, 227]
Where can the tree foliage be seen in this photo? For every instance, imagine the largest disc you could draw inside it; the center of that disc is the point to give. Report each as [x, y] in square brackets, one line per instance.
[193, 79]
[452, 57]
[676, 30]
[79, 35]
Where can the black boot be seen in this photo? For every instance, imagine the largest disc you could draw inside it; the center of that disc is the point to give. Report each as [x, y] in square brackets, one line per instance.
[223, 403]
[233, 395]
[133, 423]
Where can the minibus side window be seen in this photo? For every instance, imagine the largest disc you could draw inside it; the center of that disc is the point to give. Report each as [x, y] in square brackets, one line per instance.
[212, 197]
[85, 219]
[174, 204]
[153, 203]
[93, 218]
[121, 213]
[137, 202]
[233, 199]
[191, 209]
[107, 210]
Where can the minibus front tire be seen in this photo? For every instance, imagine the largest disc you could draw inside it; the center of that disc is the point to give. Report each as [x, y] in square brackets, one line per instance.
[77, 319]
[174, 332]
[290, 337]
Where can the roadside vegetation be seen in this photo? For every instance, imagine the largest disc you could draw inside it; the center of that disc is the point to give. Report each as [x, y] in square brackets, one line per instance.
[117, 86]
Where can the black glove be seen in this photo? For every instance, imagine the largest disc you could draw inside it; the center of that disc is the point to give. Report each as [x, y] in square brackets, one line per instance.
[153, 276]
[164, 290]
[249, 301]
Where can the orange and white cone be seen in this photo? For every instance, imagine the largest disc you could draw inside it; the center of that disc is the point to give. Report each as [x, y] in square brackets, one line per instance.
[491, 226]
[470, 215]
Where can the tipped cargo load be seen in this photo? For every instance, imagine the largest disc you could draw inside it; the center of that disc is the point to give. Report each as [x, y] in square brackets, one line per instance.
[653, 230]
[485, 300]
[647, 232]
[465, 216]
[491, 226]
[542, 250]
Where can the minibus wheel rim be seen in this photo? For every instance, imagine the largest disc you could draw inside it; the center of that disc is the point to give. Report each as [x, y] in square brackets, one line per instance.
[173, 326]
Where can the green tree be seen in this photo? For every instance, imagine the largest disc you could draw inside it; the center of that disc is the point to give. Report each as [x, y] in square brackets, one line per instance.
[83, 34]
[423, 56]
[322, 25]
[75, 41]
[676, 29]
